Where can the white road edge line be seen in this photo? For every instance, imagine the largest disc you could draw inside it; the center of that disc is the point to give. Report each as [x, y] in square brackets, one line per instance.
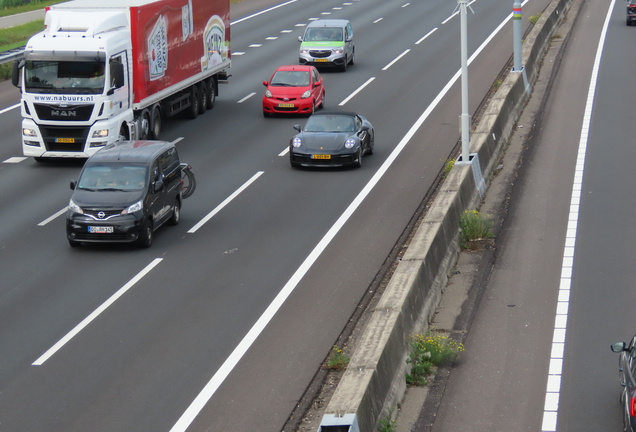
[224, 203]
[553, 387]
[219, 377]
[50, 218]
[426, 35]
[246, 97]
[262, 12]
[177, 140]
[44, 357]
[356, 92]
[396, 59]
[9, 108]
[284, 152]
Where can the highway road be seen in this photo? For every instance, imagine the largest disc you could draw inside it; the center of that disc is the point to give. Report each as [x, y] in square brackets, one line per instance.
[224, 321]
[537, 357]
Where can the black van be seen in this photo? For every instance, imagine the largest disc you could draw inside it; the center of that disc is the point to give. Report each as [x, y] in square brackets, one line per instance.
[125, 191]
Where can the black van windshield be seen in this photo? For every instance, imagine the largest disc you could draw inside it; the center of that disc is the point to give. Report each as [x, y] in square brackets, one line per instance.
[113, 177]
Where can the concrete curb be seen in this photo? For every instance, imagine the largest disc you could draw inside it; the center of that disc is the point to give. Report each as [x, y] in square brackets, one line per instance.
[374, 380]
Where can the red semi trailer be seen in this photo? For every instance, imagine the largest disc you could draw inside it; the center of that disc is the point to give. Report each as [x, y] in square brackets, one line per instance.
[107, 71]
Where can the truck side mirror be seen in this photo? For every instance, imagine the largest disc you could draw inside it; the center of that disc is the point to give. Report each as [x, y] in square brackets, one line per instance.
[15, 74]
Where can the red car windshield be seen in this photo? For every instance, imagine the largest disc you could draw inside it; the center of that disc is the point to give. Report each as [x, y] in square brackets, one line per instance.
[290, 79]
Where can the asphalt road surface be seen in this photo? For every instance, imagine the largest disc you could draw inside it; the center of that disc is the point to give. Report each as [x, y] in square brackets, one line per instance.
[221, 325]
[537, 357]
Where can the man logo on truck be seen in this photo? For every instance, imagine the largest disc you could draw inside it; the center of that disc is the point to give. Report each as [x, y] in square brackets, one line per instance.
[61, 113]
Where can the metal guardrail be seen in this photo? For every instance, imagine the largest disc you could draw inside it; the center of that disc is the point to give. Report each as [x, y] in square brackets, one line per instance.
[11, 55]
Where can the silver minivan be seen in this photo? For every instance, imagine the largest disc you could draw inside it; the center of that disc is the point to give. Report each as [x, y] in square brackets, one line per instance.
[327, 42]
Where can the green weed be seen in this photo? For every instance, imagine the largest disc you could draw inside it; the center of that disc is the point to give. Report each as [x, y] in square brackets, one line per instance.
[429, 351]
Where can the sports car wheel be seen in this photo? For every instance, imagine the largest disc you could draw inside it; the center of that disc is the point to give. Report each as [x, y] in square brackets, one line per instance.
[371, 145]
[358, 162]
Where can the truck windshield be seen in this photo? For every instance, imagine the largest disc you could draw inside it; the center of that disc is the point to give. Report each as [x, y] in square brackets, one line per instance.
[64, 77]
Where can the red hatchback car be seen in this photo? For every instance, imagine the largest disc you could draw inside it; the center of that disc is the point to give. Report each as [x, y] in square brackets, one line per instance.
[295, 89]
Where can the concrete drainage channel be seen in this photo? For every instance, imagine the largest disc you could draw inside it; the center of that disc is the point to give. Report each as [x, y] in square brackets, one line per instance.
[374, 380]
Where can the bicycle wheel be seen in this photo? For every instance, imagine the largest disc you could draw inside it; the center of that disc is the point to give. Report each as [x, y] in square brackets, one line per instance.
[188, 182]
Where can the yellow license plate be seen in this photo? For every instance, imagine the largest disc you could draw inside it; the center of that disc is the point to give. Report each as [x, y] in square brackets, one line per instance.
[321, 156]
[65, 140]
[321, 60]
[285, 105]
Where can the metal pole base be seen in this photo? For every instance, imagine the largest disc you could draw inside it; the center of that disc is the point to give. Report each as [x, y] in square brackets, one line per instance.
[476, 169]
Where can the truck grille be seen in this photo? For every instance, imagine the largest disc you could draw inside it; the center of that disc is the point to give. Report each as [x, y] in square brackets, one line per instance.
[53, 134]
[70, 113]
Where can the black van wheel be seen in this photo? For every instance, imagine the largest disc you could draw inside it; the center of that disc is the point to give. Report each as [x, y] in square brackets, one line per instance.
[145, 235]
[176, 213]
[73, 243]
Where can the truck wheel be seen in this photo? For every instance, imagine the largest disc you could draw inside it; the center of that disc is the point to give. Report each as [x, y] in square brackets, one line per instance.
[123, 133]
[144, 125]
[211, 93]
[156, 122]
[203, 98]
[193, 111]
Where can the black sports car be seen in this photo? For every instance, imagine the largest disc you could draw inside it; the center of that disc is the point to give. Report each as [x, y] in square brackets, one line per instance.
[332, 139]
[627, 377]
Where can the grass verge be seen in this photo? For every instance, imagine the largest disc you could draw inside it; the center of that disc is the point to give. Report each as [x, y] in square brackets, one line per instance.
[14, 37]
[6, 9]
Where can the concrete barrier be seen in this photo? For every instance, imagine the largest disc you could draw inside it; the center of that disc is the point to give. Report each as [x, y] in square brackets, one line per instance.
[375, 378]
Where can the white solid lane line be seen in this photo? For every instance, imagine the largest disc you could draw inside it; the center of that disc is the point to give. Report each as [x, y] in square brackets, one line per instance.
[50, 218]
[262, 12]
[15, 159]
[555, 371]
[356, 92]
[9, 108]
[219, 377]
[246, 97]
[225, 202]
[426, 35]
[395, 60]
[44, 357]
